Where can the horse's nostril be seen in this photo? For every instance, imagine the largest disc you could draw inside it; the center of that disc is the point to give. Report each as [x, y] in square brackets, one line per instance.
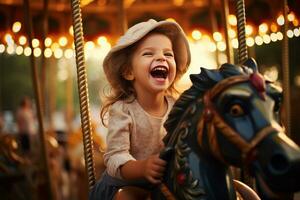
[279, 163]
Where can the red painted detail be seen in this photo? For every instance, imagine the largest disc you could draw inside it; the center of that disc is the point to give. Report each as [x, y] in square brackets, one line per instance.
[181, 178]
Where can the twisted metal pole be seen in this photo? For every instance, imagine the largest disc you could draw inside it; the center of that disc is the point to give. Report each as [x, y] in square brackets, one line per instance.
[83, 93]
[286, 70]
[242, 57]
[241, 24]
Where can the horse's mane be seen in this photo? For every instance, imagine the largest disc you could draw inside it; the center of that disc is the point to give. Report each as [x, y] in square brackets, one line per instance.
[200, 83]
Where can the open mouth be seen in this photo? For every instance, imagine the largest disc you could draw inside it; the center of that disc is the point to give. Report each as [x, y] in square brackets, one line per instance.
[159, 72]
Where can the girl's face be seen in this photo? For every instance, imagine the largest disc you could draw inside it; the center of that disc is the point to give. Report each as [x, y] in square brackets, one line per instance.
[153, 66]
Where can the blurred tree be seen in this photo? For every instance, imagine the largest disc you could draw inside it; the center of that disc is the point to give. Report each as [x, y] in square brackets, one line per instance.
[15, 80]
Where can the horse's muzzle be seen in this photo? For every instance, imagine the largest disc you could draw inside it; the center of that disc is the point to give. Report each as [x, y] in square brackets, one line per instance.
[279, 163]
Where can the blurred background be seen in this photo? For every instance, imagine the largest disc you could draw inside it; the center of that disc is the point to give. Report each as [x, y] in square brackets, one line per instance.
[211, 27]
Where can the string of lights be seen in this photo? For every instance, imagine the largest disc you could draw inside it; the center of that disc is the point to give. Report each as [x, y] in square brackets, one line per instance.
[58, 47]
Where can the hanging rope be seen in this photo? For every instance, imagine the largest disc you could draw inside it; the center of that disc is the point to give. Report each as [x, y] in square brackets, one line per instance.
[241, 24]
[286, 71]
[83, 93]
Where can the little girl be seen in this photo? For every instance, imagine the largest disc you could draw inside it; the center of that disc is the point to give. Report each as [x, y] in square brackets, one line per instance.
[142, 69]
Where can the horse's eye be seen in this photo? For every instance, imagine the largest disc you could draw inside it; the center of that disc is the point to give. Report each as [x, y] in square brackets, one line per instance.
[236, 110]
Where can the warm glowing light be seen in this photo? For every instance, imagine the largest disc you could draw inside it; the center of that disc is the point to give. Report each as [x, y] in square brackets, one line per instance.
[48, 53]
[178, 2]
[290, 33]
[273, 37]
[263, 28]
[249, 29]
[10, 49]
[279, 35]
[259, 40]
[102, 40]
[16, 27]
[35, 43]
[231, 33]
[2, 48]
[206, 38]
[8, 39]
[63, 41]
[232, 20]
[296, 22]
[27, 51]
[71, 32]
[221, 46]
[106, 47]
[296, 32]
[196, 35]
[54, 46]
[250, 41]
[212, 47]
[266, 39]
[291, 17]
[37, 52]
[89, 45]
[272, 73]
[68, 53]
[19, 50]
[58, 53]
[280, 20]
[171, 20]
[235, 43]
[62, 74]
[217, 36]
[22, 40]
[48, 42]
[274, 27]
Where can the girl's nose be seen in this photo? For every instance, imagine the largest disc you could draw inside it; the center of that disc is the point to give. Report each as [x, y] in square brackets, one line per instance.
[161, 57]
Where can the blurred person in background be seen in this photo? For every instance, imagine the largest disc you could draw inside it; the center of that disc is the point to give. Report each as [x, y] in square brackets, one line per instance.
[26, 124]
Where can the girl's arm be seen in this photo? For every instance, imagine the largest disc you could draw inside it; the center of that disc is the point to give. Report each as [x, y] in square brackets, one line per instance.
[151, 169]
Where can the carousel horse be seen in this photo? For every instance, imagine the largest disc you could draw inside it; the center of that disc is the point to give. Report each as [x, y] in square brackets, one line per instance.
[229, 117]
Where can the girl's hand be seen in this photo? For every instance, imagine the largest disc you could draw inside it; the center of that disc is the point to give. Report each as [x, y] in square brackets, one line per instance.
[154, 168]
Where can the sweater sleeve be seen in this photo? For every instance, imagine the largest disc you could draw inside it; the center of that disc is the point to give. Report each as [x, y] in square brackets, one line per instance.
[118, 139]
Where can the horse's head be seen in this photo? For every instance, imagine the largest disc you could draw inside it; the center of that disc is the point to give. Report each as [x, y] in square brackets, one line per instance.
[239, 125]
[241, 119]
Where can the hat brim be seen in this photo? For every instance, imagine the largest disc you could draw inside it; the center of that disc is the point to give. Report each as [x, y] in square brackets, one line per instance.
[114, 59]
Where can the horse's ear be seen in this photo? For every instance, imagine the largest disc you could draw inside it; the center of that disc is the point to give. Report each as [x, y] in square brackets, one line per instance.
[251, 63]
[213, 74]
[206, 76]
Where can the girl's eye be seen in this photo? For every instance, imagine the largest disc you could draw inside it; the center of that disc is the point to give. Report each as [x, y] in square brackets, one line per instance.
[169, 54]
[236, 110]
[147, 53]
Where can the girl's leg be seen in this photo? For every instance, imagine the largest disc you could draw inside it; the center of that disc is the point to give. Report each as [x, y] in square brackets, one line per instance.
[132, 193]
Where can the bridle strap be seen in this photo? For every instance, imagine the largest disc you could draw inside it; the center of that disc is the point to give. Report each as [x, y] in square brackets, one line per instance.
[213, 121]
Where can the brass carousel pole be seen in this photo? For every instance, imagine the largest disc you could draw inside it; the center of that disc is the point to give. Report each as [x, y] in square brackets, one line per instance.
[241, 24]
[214, 26]
[242, 57]
[122, 16]
[43, 58]
[37, 91]
[225, 13]
[286, 71]
[83, 93]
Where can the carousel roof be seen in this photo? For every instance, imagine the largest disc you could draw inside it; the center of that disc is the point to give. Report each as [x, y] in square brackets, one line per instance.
[105, 16]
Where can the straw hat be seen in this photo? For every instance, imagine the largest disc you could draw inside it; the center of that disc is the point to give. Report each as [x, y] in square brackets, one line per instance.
[117, 56]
